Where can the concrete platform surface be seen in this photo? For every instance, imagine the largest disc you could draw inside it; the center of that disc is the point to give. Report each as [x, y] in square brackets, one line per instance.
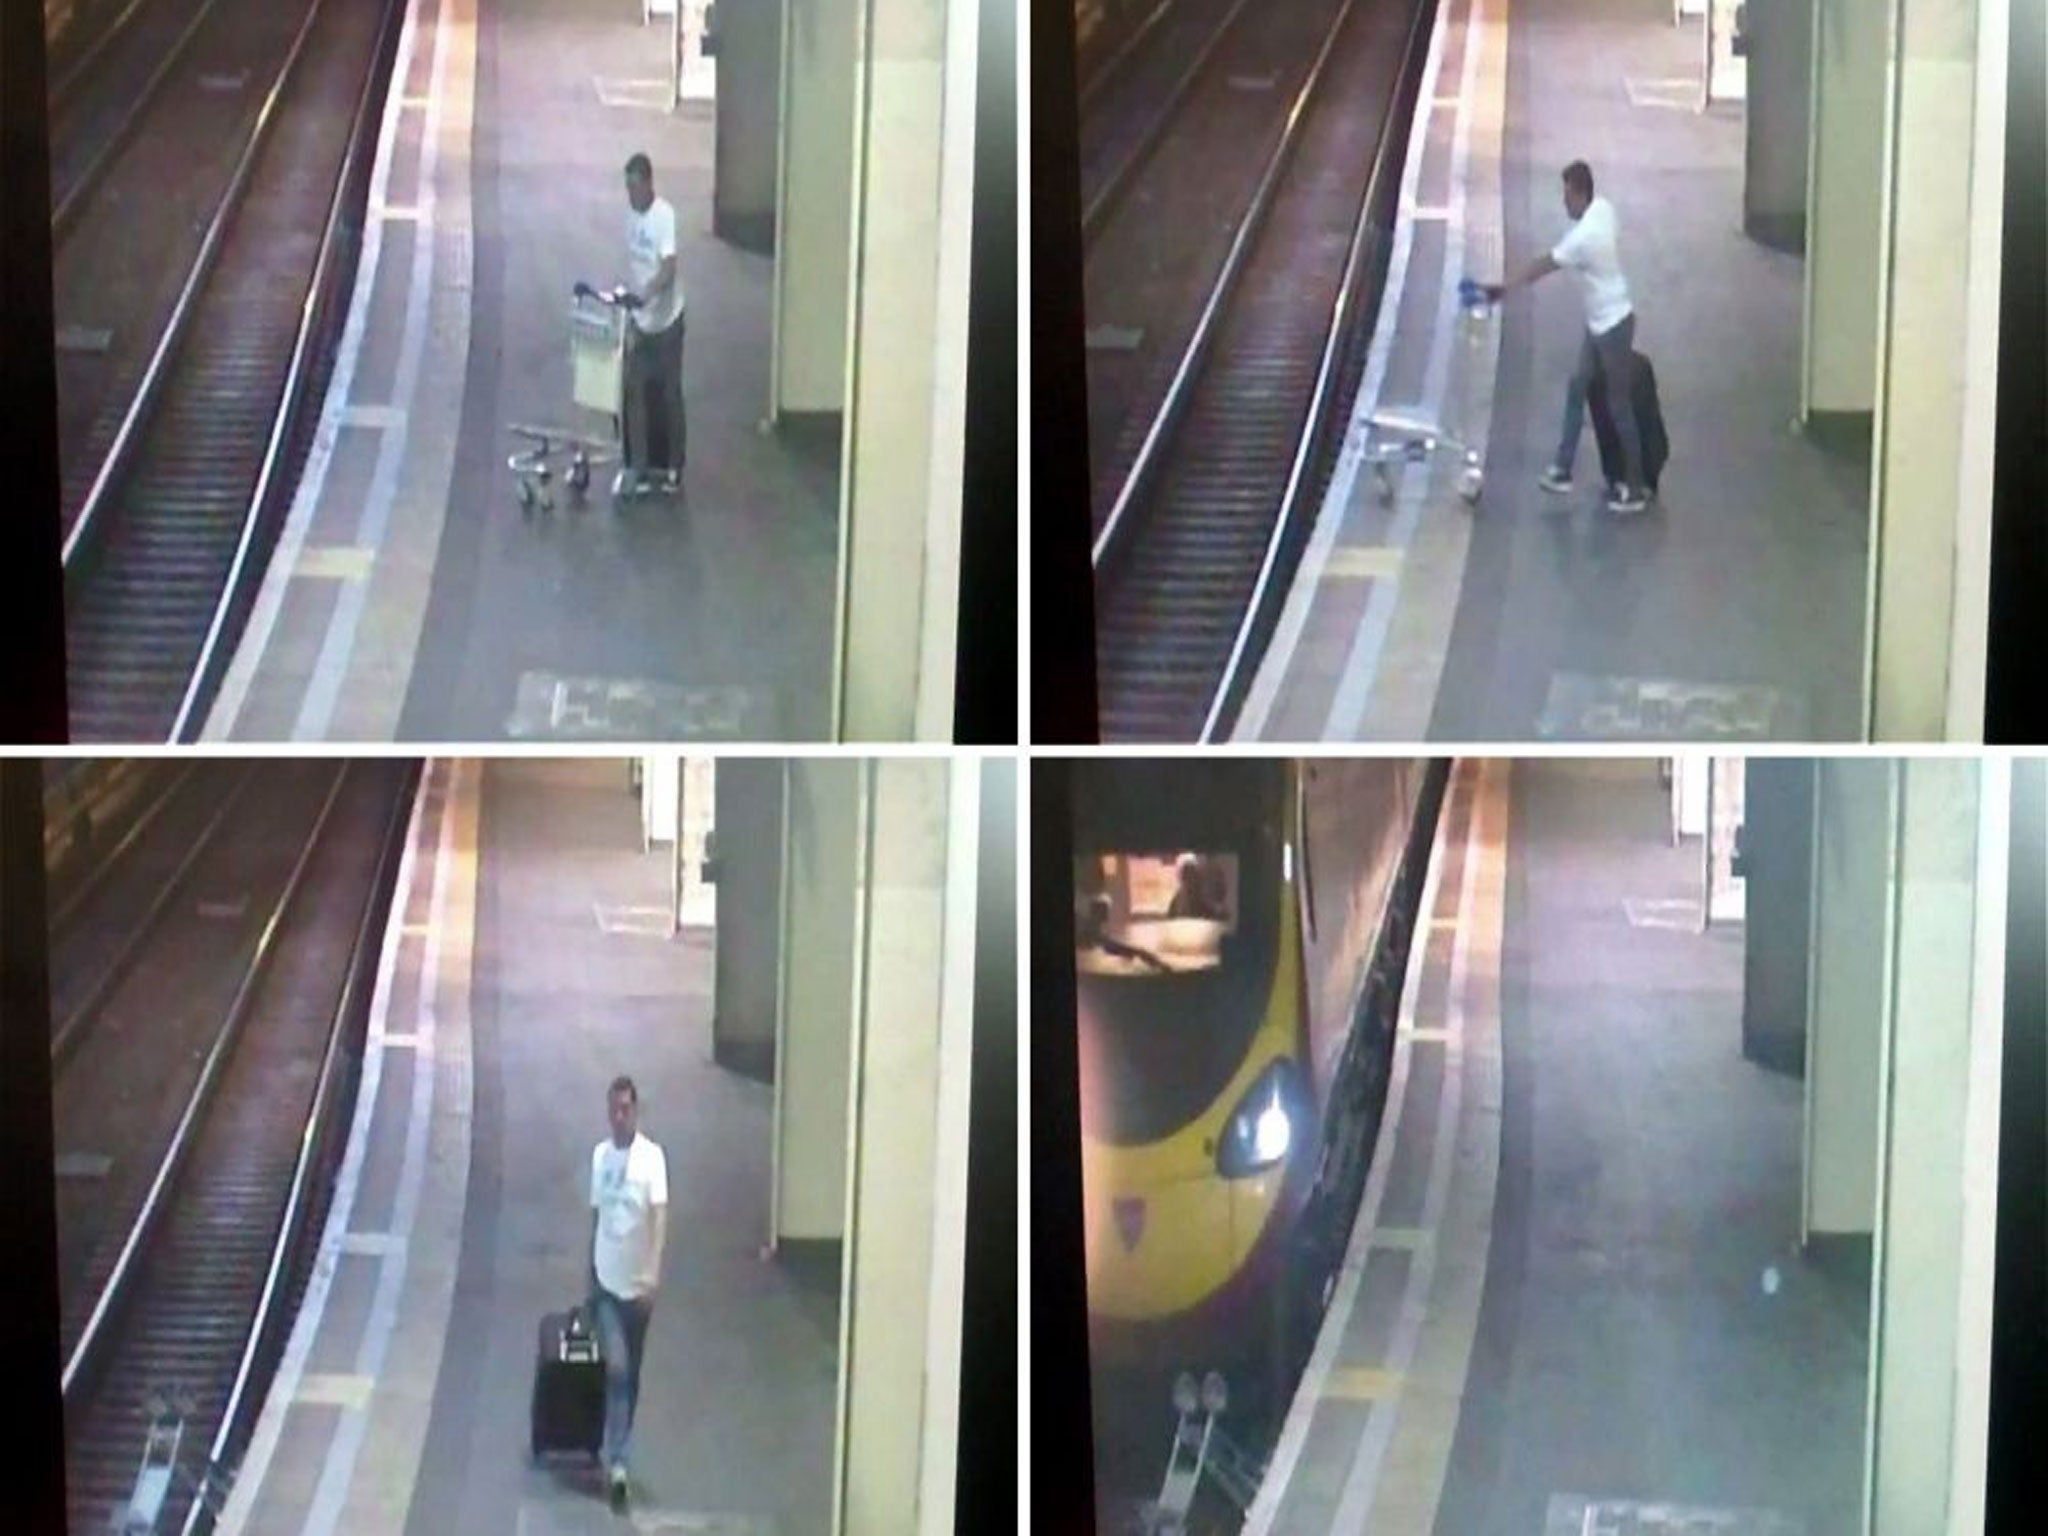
[1574, 1300]
[1631, 1349]
[1733, 609]
[409, 598]
[402, 1404]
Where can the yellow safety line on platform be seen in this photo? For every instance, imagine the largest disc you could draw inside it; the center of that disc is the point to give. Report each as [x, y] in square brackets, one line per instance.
[1364, 561]
[1361, 1384]
[1411, 1475]
[335, 562]
[336, 1390]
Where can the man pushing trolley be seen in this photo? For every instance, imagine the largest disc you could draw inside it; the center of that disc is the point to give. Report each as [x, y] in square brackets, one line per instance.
[626, 369]
[653, 407]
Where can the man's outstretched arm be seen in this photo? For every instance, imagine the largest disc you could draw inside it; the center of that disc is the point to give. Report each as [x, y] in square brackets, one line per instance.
[1535, 272]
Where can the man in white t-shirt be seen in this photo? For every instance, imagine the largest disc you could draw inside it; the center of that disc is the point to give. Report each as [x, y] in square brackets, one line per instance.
[654, 334]
[1590, 250]
[628, 1225]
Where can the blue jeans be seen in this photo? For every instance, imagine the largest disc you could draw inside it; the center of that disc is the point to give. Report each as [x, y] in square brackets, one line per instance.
[1610, 356]
[622, 1335]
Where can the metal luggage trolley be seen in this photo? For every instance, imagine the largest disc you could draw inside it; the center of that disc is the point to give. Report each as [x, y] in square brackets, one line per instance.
[597, 361]
[1396, 437]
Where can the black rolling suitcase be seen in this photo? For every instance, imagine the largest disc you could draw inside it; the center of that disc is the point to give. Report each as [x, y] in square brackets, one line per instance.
[1649, 427]
[568, 1386]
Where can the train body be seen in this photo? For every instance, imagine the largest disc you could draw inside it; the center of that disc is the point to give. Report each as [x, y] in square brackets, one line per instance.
[1234, 918]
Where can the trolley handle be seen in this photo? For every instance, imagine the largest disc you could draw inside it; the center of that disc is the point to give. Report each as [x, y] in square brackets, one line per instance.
[617, 298]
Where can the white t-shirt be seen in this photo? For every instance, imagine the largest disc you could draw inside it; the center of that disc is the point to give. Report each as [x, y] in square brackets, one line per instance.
[649, 237]
[1590, 250]
[626, 1184]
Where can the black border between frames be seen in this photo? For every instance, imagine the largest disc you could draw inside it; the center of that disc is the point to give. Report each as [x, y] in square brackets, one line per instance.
[2019, 1326]
[986, 1476]
[1062, 578]
[34, 1416]
[1062, 1417]
[2016, 702]
[32, 704]
[985, 674]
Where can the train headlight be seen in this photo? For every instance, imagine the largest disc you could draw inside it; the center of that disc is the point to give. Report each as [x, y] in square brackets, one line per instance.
[1261, 1130]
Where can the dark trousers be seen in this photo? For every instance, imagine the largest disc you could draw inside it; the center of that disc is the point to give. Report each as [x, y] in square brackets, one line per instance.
[622, 1335]
[1610, 357]
[654, 399]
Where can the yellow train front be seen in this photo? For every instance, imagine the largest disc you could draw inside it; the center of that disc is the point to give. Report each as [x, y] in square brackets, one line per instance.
[1226, 914]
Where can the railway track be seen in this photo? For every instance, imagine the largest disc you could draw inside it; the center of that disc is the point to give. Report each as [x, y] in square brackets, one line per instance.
[1135, 94]
[208, 168]
[192, 1135]
[1207, 483]
[95, 818]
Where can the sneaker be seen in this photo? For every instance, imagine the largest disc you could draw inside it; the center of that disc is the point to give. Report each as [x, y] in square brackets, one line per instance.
[1626, 501]
[673, 480]
[1555, 479]
[618, 1490]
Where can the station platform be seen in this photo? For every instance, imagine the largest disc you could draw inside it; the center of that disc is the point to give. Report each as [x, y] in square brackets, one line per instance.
[1575, 1301]
[408, 597]
[1734, 608]
[529, 961]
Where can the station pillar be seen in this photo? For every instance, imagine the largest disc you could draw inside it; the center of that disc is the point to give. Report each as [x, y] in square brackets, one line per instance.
[1777, 871]
[900, 506]
[748, 111]
[1943, 977]
[1938, 252]
[1850, 50]
[901, 1322]
[821, 833]
[1852, 869]
[814, 194]
[1777, 122]
[747, 881]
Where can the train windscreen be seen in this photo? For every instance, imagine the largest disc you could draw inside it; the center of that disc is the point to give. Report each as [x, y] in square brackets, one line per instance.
[1177, 895]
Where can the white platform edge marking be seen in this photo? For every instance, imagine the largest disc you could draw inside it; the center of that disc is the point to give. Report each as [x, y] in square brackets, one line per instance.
[291, 1369]
[330, 1497]
[1267, 682]
[1361, 1486]
[316, 708]
[270, 597]
[1337, 1321]
[1368, 643]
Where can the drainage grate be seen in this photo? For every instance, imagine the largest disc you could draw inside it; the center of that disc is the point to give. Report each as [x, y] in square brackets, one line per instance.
[1666, 709]
[1576, 1515]
[632, 709]
[1681, 95]
[1681, 916]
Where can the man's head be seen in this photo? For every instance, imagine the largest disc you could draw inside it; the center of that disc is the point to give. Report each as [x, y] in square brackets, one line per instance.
[639, 182]
[1578, 188]
[622, 1108]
